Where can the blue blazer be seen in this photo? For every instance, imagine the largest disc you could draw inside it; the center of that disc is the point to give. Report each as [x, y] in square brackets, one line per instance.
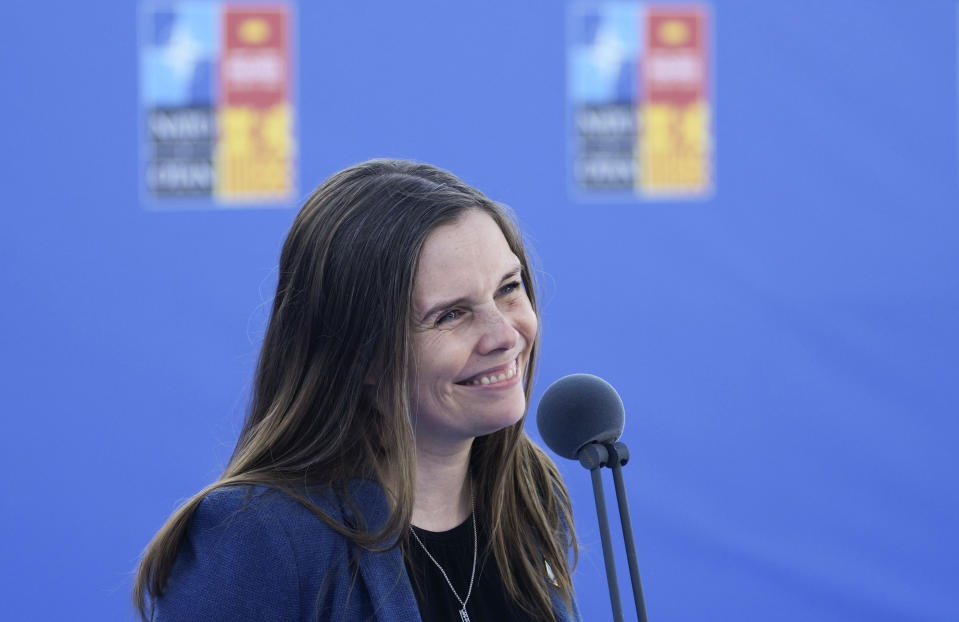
[258, 554]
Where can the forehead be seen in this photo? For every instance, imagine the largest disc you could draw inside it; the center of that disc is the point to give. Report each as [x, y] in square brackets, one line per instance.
[470, 251]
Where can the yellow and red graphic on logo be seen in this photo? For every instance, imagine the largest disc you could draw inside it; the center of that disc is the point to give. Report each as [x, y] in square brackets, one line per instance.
[255, 149]
[674, 151]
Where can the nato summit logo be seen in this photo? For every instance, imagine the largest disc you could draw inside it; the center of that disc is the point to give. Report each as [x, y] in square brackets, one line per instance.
[640, 101]
[216, 111]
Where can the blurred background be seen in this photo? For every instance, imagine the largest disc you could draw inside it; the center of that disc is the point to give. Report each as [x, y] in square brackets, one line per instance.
[745, 219]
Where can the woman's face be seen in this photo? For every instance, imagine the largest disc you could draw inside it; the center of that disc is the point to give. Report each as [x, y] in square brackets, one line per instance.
[473, 328]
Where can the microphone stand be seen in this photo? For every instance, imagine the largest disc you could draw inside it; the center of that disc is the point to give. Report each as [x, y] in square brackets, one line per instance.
[618, 457]
[614, 455]
[594, 457]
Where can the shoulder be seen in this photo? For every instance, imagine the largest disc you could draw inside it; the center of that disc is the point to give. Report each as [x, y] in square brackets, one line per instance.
[249, 510]
[244, 557]
[259, 523]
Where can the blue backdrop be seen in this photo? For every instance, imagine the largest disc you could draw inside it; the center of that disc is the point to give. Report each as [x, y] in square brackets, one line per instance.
[787, 350]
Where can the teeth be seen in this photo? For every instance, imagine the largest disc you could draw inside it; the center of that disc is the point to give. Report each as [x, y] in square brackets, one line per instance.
[494, 378]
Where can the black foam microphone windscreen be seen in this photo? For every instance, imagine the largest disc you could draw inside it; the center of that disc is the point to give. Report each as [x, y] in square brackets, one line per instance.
[577, 410]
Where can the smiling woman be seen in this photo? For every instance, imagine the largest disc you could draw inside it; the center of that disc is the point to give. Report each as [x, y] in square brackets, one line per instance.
[467, 353]
[384, 447]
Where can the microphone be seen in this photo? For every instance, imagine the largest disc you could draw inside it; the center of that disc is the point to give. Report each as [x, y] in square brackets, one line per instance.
[577, 410]
[581, 417]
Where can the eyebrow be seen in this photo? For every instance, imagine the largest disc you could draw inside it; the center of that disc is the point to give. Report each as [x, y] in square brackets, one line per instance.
[514, 272]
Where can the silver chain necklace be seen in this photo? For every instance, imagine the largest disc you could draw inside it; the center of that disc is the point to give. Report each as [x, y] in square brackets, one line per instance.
[464, 617]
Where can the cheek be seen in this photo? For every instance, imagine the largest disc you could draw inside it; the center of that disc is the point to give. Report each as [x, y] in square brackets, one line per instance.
[527, 324]
[438, 359]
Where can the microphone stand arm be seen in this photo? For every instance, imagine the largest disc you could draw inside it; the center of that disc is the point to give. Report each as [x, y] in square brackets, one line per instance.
[594, 457]
[617, 457]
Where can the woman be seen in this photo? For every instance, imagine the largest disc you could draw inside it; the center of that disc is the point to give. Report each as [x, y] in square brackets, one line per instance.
[382, 472]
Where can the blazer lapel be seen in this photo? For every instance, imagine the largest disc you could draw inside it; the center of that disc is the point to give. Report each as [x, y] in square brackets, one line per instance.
[389, 586]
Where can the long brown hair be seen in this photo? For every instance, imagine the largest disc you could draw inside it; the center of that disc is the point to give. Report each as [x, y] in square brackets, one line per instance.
[342, 309]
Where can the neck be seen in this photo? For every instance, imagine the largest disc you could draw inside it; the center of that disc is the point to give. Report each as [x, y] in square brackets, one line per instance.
[443, 488]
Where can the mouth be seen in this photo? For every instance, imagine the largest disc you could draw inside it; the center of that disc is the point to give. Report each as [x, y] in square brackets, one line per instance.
[493, 376]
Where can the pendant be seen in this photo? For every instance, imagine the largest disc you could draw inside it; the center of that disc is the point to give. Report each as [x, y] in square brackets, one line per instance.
[464, 617]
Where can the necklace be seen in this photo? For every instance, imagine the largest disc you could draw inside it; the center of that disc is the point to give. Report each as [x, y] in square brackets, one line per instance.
[464, 617]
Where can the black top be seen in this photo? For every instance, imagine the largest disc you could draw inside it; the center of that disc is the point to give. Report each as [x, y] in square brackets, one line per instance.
[453, 549]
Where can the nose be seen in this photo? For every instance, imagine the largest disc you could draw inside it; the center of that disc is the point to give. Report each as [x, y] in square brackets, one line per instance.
[498, 332]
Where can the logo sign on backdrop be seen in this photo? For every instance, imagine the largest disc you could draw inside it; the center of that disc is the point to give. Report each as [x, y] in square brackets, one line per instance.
[640, 100]
[217, 115]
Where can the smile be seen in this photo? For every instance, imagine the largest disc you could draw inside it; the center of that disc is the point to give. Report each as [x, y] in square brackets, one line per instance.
[492, 377]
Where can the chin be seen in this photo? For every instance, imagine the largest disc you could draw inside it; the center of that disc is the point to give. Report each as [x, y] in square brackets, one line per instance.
[505, 418]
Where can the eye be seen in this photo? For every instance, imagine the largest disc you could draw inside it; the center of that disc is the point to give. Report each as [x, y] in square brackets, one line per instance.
[509, 288]
[449, 316]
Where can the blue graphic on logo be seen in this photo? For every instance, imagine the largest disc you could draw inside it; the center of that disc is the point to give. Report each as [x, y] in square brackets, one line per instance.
[605, 43]
[178, 61]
